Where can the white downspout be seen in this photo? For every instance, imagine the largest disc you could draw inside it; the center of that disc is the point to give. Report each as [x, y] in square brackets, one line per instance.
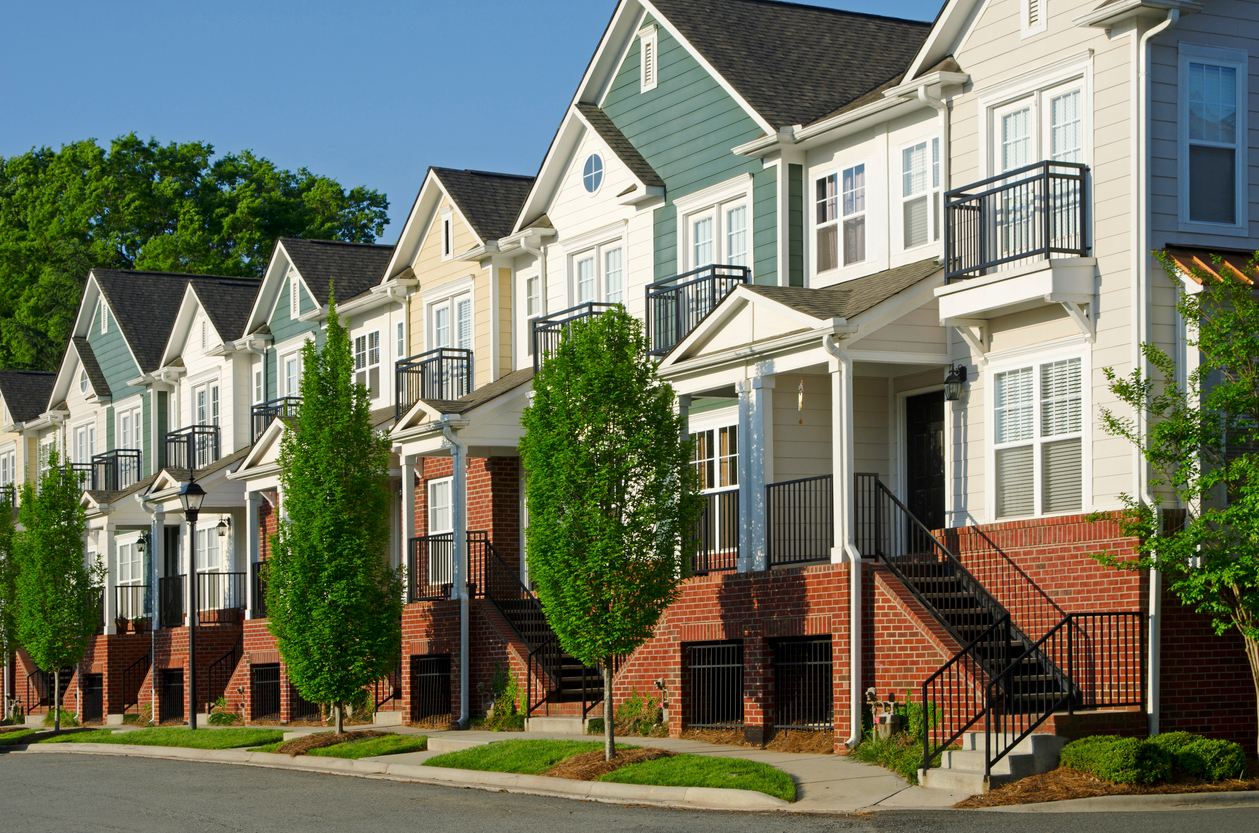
[845, 497]
[538, 252]
[942, 110]
[1141, 325]
[459, 526]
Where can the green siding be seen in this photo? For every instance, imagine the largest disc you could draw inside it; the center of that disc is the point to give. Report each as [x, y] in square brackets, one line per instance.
[109, 428]
[685, 129]
[284, 328]
[146, 445]
[270, 373]
[114, 357]
[795, 222]
[160, 414]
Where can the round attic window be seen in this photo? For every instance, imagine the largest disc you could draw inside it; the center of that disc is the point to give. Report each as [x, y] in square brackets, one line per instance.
[82, 381]
[592, 174]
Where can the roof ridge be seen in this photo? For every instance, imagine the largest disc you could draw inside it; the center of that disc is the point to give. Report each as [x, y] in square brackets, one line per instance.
[99, 270]
[484, 173]
[337, 242]
[831, 10]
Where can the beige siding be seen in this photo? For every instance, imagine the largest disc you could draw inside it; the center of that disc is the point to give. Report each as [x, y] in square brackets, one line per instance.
[802, 436]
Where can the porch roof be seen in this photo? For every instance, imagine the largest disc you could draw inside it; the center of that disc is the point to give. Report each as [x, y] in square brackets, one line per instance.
[851, 298]
[1195, 263]
[481, 395]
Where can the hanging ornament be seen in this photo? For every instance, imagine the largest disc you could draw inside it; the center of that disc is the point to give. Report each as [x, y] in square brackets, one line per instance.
[800, 400]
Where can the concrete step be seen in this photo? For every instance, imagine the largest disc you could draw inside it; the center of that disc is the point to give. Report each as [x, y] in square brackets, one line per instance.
[962, 760]
[1045, 749]
[970, 783]
[558, 725]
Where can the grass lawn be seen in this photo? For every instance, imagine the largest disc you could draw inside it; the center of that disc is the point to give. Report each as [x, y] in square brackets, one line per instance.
[524, 757]
[370, 747]
[9, 738]
[703, 771]
[269, 747]
[176, 736]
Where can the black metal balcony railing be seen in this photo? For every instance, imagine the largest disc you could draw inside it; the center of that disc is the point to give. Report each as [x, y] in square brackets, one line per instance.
[676, 305]
[431, 567]
[170, 596]
[133, 601]
[259, 570]
[82, 472]
[443, 373]
[264, 413]
[116, 470]
[800, 520]
[8, 495]
[549, 330]
[220, 591]
[1034, 212]
[192, 448]
[717, 533]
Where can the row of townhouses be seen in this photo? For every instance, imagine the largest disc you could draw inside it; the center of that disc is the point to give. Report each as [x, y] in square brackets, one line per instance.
[884, 264]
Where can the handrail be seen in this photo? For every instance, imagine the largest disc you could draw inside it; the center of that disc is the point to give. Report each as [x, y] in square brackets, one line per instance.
[1035, 166]
[192, 447]
[967, 694]
[133, 680]
[117, 469]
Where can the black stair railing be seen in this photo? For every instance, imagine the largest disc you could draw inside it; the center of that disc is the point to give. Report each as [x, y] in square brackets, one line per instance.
[676, 306]
[264, 413]
[116, 470]
[220, 672]
[441, 373]
[133, 680]
[388, 687]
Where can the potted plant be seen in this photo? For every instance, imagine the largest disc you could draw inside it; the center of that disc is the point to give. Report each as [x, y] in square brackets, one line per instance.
[120, 624]
[140, 624]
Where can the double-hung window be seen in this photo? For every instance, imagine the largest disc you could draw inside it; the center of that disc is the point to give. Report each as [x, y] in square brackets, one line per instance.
[259, 393]
[841, 218]
[533, 308]
[1038, 423]
[718, 234]
[367, 362]
[451, 322]
[1214, 162]
[8, 468]
[84, 443]
[130, 574]
[598, 275]
[440, 522]
[920, 193]
[205, 400]
[717, 470]
[293, 374]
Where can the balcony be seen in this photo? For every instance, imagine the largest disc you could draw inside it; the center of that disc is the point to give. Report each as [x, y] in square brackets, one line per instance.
[549, 330]
[82, 472]
[116, 470]
[132, 601]
[443, 373]
[192, 448]
[676, 305]
[1016, 241]
[263, 414]
[800, 520]
[717, 534]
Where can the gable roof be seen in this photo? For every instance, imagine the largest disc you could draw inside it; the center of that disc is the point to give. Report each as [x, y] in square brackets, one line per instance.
[353, 267]
[620, 145]
[145, 305]
[851, 298]
[227, 302]
[488, 201]
[94, 375]
[26, 392]
[482, 395]
[793, 63]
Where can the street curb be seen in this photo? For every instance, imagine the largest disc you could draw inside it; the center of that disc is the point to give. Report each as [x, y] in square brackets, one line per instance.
[1144, 803]
[704, 798]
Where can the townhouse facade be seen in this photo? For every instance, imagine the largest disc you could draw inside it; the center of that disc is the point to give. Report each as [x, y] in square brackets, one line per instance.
[885, 265]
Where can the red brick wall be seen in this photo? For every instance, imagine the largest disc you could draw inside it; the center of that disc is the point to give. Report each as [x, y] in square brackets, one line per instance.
[213, 641]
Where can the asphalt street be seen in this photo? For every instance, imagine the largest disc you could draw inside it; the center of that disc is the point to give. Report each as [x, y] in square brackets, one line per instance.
[72, 793]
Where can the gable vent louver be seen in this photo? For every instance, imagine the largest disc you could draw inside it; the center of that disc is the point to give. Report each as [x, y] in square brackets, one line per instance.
[1033, 13]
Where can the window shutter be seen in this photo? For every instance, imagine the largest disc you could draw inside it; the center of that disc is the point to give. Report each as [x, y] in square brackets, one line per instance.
[1015, 486]
[1062, 489]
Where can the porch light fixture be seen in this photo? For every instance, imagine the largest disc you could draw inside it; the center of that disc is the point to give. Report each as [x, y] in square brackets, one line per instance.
[953, 382]
[191, 497]
[143, 544]
[225, 524]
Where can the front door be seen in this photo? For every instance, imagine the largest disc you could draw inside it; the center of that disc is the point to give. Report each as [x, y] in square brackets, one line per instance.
[924, 458]
[170, 552]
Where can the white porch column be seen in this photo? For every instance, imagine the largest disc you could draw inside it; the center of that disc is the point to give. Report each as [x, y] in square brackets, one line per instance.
[188, 568]
[842, 474]
[408, 523]
[108, 556]
[756, 456]
[157, 557]
[251, 550]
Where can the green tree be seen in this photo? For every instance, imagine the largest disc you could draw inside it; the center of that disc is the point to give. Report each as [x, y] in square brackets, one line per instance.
[58, 592]
[611, 494]
[1199, 433]
[335, 602]
[8, 591]
[145, 205]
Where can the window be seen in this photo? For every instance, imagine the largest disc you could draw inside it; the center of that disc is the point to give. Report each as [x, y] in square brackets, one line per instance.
[208, 559]
[82, 381]
[1039, 431]
[130, 564]
[448, 234]
[402, 341]
[841, 199]
[206, 404]
[293, 375]
[920, 193]
[451, 322]
[440, 522]
[717, 469]
[592, 173]
[367, 362]
[598, 274]
[259, 393]
[84, 443]
[130, 427]
[648, 41]
[45, 454]
[533, 308]
[1213, 147]
[8, 468]
[718, 235]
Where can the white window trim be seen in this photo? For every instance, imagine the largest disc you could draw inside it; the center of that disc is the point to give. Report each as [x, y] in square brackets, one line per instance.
[400, 339]
[446, 243]
[1241, 62]
[458, 290]
[281, 367]
[724, 195]
[648, 81]
[934, 235]
[135, 408]
[367, 365]
[1078, 68]
[428, 501]
[598, 252]
[603, 170]
[75, 428]
[1025, 22]
[837, 170]
[1037, 355]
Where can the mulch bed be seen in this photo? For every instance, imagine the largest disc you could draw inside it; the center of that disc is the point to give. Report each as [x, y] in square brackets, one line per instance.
[1064, 784]
[302, 745]
[780, 740]
[588, 766]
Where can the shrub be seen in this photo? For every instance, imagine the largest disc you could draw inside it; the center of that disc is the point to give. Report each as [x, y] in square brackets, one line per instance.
[1119, 760]
[1205, 758]
[67, 718]
[504, 715]
[901, 753]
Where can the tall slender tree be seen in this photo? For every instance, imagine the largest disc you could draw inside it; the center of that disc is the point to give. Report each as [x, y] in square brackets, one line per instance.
[8, 595]
[335, 602]
[611, 494]
[58, 592]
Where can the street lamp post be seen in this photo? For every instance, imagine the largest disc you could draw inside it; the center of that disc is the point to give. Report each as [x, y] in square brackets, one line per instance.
[191, 496]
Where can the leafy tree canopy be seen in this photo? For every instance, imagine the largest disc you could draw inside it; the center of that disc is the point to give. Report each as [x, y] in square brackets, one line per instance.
[1201, 439]
[334, 601]
[611, 494]
[145, 205]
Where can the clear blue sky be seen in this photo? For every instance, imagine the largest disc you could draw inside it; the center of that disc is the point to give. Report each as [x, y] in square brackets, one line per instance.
[369, 93]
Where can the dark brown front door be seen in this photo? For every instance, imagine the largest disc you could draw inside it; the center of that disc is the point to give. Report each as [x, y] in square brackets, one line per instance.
[924, 465]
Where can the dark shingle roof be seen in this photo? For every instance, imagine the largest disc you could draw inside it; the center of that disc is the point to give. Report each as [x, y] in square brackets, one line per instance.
[792, 63]
[113, 496]
[227, 302]
[26, 392]
[94, 375]
[616, 141]
[489, 201]
[353, 267]
[948, 64]
[480, 396]
[220, 464]
[145, 305]
[851, 298]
